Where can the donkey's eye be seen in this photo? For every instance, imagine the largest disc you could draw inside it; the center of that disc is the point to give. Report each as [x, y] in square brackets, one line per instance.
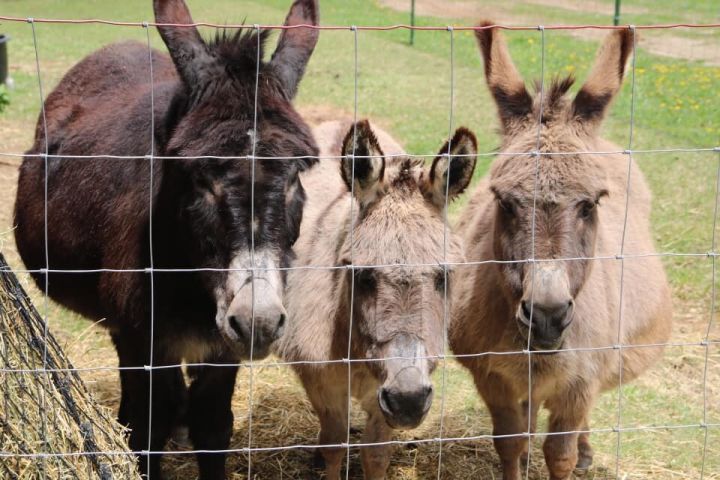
[365, 279]
[586, 209]
[507, 207]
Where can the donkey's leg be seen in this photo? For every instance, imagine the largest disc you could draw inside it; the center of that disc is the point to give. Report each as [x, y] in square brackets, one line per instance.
[135, 409]
[210, 416]
[568, 412]
[534, 407]
[329, 398]
[507, 416]
[180, 434]
[585, 451]
[376, 459]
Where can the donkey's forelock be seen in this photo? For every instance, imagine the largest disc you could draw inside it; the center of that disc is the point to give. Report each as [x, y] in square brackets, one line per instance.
[238, 51]
[551, 101]
[404, 172]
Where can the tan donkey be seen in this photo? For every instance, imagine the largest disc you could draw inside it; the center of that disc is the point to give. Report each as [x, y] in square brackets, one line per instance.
[571, 314]
[395, 319]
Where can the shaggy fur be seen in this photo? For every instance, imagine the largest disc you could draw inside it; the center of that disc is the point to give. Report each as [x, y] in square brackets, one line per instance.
[99, 212]
[580, 213]
[397, 311]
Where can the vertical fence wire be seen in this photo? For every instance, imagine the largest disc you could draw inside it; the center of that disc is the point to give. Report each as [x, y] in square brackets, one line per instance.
[46, 306]
[354, 30]
[446, 227]
[533, 264]
[621, 256]
[253, 139]
[151, 162]
[706, 341]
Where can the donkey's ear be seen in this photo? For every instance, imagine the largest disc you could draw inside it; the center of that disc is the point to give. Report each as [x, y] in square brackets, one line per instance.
[605, 78]
[452, 169]
[506, 85]
[187, 49]
[363, 163]
[296, 44]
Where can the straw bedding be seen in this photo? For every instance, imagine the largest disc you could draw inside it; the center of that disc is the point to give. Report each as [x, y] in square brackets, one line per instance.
[50, 425]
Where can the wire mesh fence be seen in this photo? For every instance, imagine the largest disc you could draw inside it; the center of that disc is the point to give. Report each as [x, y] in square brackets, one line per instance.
[440, 436]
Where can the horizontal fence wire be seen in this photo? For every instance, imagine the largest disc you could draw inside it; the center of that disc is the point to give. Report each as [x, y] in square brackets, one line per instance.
[145, 24]
[706, 342]
[389, 155]
[271, 364]
[702, 426]
[440, 265]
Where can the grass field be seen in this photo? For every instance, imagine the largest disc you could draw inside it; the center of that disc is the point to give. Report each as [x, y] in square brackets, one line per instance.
[407, 90]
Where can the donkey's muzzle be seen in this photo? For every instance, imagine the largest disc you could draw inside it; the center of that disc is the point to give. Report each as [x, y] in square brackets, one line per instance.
[259, 337]
[405, 409]
[544, 324]
[254, 320]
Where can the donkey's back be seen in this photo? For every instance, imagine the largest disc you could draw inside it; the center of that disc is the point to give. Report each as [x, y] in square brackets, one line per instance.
[102, 106]
[104, 84]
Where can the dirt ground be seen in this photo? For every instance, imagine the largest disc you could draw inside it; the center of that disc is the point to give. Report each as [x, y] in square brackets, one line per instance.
[16, 141]
[662, 43]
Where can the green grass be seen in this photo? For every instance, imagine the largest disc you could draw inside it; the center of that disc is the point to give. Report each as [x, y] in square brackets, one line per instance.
[407, 90]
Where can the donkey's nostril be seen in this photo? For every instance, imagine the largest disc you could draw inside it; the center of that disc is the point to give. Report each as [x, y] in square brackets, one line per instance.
[281, 322]
[235, 325]
[559, 314]
[385, 401]
[525, 309]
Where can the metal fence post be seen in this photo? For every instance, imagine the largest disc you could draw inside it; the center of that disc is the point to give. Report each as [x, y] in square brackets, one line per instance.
[412, 22]
[616, 18]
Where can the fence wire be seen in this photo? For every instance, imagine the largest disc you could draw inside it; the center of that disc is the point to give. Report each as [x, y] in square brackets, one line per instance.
[50, 367]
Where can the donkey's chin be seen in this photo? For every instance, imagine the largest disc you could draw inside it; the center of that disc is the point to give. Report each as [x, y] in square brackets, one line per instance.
[545, 346]
[404, 423]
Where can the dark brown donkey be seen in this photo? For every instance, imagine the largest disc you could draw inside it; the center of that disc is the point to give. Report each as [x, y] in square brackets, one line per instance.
[99, 212]
[394, 317]
[555, 306]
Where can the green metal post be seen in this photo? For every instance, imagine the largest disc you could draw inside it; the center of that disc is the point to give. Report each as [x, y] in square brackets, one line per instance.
[616, 18]
[412, 22]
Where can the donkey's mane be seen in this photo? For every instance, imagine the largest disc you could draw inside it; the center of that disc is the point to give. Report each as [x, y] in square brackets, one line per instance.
[554, 93]
[239, 50]
[405, 168]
